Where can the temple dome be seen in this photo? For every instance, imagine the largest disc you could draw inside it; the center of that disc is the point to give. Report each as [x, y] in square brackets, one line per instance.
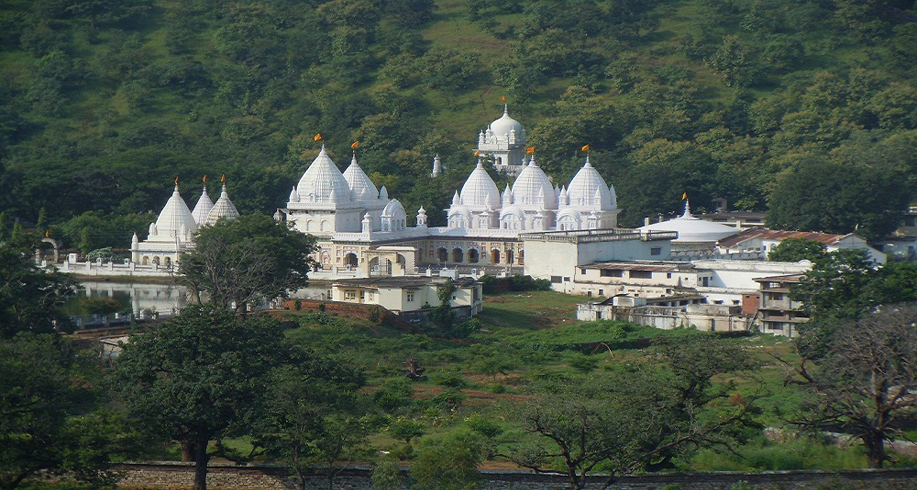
[503, 126]
[223, 208]
[692, 229]
[582, 189]
[175, 219]
[362, 189]
[480, 190]
[316, 183]
[202, 208]
[532, 189]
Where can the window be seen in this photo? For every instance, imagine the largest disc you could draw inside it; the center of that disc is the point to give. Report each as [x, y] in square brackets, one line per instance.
[350, 295]
[641, 275]
[668, 275]
[612, 273]
[656, 251]
[410, 296]
[582, 271]
[556, 279]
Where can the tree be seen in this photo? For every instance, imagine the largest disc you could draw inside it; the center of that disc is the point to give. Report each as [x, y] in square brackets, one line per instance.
[639, 419]
[837, 284]
[30, 298]
[250, 258]
[198, 378]
[312, 416]
[443, 316]
[862, 383]
[796, 249]
[41, 427]
[831, 198]
[450, 463]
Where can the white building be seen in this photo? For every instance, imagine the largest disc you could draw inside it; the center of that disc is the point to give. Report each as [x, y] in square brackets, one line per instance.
[353, 220]
[693, 233]
[563, 257]
[402, 295]
[504, 142]
[763, 241]
[174, 229]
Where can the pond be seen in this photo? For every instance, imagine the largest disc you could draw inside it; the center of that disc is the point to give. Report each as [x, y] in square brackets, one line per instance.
[111, 298]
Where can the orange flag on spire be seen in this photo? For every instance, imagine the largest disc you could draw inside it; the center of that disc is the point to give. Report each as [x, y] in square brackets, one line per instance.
[530, 149]
[205, 179]
[317, 137]
[684, 197]
[502, 98]
[176, 180]
[477, 152]
[585, 148]
[223, 178]
[355, 145]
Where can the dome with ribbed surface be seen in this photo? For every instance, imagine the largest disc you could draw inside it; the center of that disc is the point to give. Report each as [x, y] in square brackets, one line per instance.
[202, 208]
[582, 189]
[223, 208]
[480, 190]
[316, 183]
[175, 219]
[503, 126]
[533, 190]
[362, 189]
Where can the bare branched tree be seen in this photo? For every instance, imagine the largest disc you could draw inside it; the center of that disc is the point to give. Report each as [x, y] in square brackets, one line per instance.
[862, 384]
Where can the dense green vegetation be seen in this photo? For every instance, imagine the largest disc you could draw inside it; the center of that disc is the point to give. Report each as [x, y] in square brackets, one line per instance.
[105, 102]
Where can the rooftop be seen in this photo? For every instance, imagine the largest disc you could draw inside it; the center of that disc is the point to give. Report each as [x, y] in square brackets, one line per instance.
[405, 282]
[638, 266]
[786, 278]
[764, 234]
[608, 234]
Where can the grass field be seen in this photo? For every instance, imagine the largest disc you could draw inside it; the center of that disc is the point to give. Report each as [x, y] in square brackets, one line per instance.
[532, 335]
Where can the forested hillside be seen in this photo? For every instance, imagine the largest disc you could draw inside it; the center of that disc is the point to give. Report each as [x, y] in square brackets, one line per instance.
[805, 108]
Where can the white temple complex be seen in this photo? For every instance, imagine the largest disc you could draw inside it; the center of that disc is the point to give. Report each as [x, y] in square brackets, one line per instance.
[364, 230]
[174, 229]
[361, 230]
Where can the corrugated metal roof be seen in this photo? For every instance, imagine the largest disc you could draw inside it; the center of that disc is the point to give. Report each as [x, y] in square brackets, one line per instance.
[764, 234]
[786, 278]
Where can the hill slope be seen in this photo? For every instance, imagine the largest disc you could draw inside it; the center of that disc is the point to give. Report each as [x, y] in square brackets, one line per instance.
[106, 101]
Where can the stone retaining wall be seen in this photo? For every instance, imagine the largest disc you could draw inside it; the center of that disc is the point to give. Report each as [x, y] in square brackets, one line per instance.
[179, 476]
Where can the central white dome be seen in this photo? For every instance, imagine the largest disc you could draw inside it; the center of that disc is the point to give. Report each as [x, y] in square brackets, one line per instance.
[320, 178]
[503, 126]
[586, 186]
[532, 188]
[480, 190]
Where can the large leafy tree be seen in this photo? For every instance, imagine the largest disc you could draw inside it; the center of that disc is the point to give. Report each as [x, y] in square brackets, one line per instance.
[250, 258]
[312, 416]
[639, 419]
[42, 428]
[199, 378]
[30, 298]
[826, 197]
[796, 249]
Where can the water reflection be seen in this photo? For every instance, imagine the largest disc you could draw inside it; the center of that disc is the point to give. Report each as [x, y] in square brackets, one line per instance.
[113, 300]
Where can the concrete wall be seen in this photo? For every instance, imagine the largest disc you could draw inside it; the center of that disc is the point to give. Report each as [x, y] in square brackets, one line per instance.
[178, 476]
